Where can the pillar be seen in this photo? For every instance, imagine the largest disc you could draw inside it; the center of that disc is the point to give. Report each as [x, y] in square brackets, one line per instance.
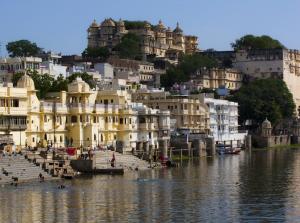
[210, 146]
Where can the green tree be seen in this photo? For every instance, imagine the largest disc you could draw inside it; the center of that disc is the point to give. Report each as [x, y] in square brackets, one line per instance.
[43, 83]
[98, 52]
[129, 47]
[264, 98]
[22, 48]
[59, 84]
[16, 77]
[85, 77]
[134, 24]
[248, 42]
[188, 65]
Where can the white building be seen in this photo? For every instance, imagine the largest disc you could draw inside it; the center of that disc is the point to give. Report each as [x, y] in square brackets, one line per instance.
[10, 66]
[105, 70]
[223, 116]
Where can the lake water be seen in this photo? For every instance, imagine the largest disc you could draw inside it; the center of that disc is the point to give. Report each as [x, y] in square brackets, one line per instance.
[261, 186]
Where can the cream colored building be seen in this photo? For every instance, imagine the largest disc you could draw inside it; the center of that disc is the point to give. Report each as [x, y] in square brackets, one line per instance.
[275, 63]
[215, 78]
[186, 112]
[156, 40]
[79, 117]
[9, 66]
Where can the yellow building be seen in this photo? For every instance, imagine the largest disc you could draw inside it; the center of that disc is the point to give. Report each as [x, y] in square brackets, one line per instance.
[79, 117]
[218, 77]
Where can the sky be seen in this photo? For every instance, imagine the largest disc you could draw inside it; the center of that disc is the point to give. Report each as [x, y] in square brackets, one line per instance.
[60, 25]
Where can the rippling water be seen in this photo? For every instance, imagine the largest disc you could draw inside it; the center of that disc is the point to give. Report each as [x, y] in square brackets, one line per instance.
[262, 186]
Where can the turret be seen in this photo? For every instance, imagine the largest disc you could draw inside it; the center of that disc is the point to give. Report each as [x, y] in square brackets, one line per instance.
[266, 128]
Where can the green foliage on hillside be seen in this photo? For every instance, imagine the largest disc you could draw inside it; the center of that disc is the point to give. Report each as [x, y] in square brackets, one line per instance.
[264, 98]
[248, 42]
[22, 48]
[188, 65]
[130, 48]
[134, 24]
[99, 53]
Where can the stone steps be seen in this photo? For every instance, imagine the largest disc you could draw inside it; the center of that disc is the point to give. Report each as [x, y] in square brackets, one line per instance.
[19, 167]
[122, 161]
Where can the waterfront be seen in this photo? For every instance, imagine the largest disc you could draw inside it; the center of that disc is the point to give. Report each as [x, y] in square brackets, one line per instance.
[262, 186]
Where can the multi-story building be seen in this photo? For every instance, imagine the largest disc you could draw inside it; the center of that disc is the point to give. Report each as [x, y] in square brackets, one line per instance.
[51, 64]
[223, 121]
[10, 66]
[136, 71]
[276, 63]
[215, 78]
[156, 40]
[186, 112]
[79, 117]
[265, 63]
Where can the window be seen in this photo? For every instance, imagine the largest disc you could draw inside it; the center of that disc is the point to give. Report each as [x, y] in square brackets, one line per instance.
[73, 119]
[95, 137]
[15, 103]
[121, 120]
[60, 138]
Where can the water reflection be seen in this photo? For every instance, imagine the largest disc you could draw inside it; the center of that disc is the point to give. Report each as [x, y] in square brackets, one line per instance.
[259, 186]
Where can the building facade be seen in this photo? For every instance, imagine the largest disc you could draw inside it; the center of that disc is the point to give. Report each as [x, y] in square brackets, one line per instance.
[156, 40]
[223, 121]
[275, 63]
[215, 78]
[185, 112]
[79, 117]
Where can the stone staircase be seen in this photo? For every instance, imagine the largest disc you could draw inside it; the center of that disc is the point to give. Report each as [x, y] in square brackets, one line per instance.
[125, 161]
[16, 166]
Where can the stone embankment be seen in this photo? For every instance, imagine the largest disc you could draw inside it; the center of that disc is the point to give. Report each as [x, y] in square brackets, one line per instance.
[17, 169]
[125, 161]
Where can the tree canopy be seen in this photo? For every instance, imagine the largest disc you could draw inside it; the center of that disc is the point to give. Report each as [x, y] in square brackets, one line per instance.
[98, 52]
[129, 47]
[134, 24]
[188, 65]
[22, 48]
[249, 42]
[264, 98]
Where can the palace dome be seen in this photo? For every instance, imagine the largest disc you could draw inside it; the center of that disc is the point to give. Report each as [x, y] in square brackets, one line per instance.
[120, 23]
[108, 23]
[26, 82]
[94, 24]
[178, 29]
[160, 26]
[147, 25]
[266, 124]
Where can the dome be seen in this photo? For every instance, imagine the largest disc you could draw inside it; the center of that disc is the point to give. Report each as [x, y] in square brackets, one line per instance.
[108, 23]
[78, 85]
[26, 82]
[178, 29]
[120, 23]
[94, 24]
[160, 26]
[147, 25]
[266, 124]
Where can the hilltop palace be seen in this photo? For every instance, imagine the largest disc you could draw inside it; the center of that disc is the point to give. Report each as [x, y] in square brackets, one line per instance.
[156, 40]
